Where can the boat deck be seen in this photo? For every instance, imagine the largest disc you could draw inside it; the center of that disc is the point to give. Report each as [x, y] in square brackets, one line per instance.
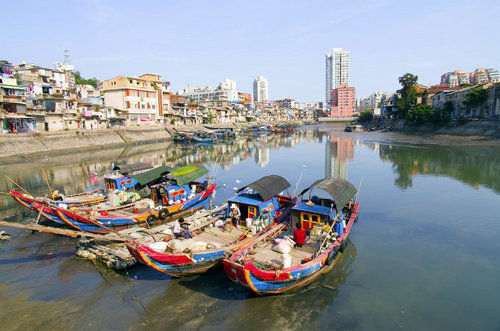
[265, 254]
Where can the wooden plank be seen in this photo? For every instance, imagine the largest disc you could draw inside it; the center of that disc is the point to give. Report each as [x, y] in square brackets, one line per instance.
[64, 232]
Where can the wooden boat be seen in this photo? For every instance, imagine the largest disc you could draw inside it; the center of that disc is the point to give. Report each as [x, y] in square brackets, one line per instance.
[265, 207]
[178, 194]
[264, 271]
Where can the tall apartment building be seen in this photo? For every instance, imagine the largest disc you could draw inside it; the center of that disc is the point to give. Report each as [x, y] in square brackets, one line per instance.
[260, 89]
[141, 97]
[343, 102]
[337, 71]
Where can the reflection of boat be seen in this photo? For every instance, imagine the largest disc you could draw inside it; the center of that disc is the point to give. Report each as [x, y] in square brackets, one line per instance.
[261, 210]
[328, 222]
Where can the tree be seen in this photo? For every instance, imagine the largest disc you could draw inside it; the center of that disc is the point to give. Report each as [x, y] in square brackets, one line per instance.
[421, 114]
[476, 98]
[79, 80]
[406, 97]
[365, 116]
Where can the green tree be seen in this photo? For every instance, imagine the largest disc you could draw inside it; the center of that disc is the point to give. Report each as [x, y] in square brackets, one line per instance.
[476, 98]
[365, 116]
[421, 114]
[406, 97]
[79, 80]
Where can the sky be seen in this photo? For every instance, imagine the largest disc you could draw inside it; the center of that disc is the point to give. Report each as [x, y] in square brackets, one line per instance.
[199, 43]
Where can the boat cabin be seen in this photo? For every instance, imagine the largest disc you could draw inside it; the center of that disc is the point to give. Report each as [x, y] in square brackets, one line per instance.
[263, 197]
[178, 185]
[121, 180]
[118, 182]
[314, 211]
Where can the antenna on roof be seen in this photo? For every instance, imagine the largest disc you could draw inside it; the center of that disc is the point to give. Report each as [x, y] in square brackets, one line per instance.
[66, 57]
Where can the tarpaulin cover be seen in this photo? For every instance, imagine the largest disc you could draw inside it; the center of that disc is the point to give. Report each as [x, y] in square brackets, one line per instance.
[268, 186]
[340, 190]
[184, 175]
[151, 175]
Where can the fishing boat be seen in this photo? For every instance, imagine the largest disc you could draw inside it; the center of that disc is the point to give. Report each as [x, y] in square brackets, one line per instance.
[262, 208]
[327, 222]
[172, 191]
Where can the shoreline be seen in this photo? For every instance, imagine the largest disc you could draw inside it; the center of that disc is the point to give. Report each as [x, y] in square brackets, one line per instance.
[29, 146]
[479, 129]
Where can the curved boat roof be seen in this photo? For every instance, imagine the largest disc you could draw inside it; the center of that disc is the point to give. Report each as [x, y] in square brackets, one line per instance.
[339, 189]
[268, 186]
[126, 169]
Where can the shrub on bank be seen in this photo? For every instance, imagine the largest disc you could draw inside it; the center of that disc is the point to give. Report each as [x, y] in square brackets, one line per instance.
[365, 116]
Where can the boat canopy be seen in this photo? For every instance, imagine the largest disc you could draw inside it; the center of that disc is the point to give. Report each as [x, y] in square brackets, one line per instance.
[184, 175]
[126, 169]
[339, 189]
[151, 175]
[268, 186]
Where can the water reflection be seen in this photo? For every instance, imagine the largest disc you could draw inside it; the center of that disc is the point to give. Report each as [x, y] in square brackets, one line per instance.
[338, 150]
[219, 302]
[73, 173]
[473, 165]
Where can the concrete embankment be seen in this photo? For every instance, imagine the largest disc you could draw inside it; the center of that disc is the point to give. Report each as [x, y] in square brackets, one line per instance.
[18, 145]
[482, 128]
[72, 141]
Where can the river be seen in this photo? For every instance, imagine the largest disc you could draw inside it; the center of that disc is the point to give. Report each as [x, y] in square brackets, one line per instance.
[424, 254]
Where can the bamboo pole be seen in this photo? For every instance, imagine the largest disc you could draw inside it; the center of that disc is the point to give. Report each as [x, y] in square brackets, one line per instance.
[17, 184]
[47, 182]
[359, 188]
[65, 232]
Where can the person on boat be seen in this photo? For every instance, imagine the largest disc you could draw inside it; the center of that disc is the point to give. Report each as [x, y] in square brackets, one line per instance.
[57, 196]
[235, 215]
[180, 229]
[299, 235]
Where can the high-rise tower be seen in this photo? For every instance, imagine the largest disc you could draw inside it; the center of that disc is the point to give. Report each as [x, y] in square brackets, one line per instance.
[337, 71]
[260, 89]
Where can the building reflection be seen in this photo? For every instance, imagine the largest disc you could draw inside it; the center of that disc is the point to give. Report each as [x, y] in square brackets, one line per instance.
[338, 150]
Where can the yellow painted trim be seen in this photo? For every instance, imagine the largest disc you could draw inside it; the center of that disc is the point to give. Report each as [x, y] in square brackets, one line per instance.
[249, 282]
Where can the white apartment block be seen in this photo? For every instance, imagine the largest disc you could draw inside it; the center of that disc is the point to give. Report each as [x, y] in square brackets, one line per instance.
[260, 89]
[337, 71]
[226, 91]
[372, 102]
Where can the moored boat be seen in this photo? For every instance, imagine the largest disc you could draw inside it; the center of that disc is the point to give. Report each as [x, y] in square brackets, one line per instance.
[260, 210]
[263, 269]
[172, 191]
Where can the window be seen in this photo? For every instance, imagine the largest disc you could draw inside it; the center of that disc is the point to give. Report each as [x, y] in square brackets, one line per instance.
[128, 104]
[130, 81]
[127, 93]
[153, 106]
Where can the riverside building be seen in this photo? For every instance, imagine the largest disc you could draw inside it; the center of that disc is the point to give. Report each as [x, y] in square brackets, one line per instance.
[337, 71]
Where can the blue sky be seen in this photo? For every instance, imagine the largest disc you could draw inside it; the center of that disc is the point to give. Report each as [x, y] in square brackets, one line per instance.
[203, 42]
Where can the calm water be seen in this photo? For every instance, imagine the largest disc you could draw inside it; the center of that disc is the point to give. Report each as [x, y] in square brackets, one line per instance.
[424, 255]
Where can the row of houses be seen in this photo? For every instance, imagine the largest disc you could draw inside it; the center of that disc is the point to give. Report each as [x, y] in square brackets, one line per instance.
[453, 99]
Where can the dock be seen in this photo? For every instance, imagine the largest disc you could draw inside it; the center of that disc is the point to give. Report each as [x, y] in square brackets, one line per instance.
[110, 249]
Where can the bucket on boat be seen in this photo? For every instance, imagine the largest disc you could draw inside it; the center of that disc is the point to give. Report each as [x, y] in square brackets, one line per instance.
[287, 260]
[136, 210]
